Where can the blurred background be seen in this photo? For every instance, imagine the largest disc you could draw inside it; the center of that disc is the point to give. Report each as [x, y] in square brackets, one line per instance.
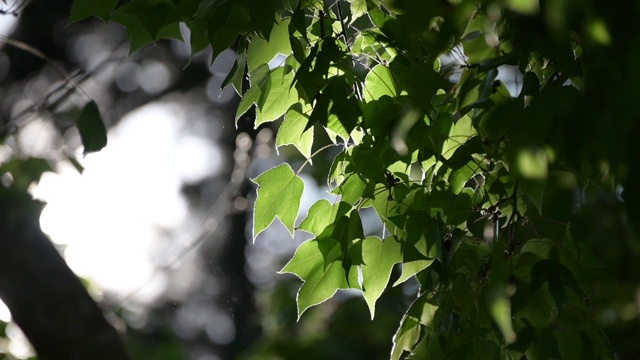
[158, 223]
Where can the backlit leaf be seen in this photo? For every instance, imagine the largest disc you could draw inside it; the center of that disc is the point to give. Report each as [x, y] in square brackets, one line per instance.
[500, 309]
[379, 82]
[378, 258]
[262, 51]
[279, 193]
[358, 8]
[292, 131]
[321, 215]
[320, 282]
[279, 97]
[260, 80]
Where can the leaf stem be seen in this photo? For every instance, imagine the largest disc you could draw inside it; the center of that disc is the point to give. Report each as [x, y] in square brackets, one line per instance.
[312, 155]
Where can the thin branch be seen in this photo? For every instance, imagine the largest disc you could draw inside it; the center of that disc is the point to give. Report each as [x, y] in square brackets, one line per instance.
[312, 155]
[65, 91]
[37, 53]
[356, 88]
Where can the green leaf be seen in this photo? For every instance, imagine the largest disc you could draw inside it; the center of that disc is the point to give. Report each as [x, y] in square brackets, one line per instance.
[261, 13]
[142, 33]
[262, 51]
[82, 9]
[279, 193]
[532, 163]
[92, 130]
[313, 73]
[292, 131]
[337, 109]
[405, 337]
[345, 231]
[460, 132]
[279, 97]
[153, 16]
[422, 245]
[25, 171]
[199, 37]
[421, 312]
[378, 259]
[226, 22]
[499, 306]
[526, 7]
[534, 188]
[379, 82]
[530, 84]
[236, 75]
[358, 8]
[352, 189]
[320, 282]
[419, 80]
[321, 215]
[260, 80]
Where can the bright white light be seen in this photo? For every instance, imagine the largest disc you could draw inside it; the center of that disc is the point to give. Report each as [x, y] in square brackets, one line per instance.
[5, 314]
[7, 25]
[18, 343]
[154, 77]
[37, 137]
[113, 215]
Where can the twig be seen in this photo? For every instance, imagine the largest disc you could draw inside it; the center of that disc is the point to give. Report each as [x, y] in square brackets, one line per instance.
[37, 53]
[312, 155]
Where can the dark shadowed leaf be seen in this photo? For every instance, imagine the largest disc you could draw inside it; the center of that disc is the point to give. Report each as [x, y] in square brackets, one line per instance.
[92, 130]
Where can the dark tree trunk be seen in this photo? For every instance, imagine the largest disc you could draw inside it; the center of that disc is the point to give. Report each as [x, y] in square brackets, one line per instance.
[46, 299]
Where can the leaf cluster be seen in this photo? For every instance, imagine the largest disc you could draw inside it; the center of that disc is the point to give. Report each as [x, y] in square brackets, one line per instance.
[457, 163]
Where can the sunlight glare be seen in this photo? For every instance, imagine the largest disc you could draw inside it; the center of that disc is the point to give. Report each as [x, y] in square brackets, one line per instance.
[114, 215]
[5, 314]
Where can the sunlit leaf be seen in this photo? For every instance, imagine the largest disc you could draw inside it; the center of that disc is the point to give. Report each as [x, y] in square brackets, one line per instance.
[420, 313]
[532, 163]
[406, 337]
[351, 190]
[279, 97]
[292, 131]
[321, 215]
[527, 7]
[379, 257]
[320, 282]
[260, 85]
[461, 131]
[358, 8]
[499, 306]
[379, 82]
[279, 193]
[262, 51]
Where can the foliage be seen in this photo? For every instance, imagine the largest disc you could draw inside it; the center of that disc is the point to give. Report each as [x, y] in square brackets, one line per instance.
[474, 180]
